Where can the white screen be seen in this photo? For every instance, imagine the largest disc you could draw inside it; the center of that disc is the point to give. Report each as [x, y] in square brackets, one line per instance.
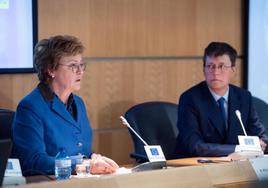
[258, 49]
[16, 34]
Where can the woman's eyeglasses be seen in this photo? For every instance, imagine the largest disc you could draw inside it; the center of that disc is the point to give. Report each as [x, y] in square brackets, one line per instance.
[76, 67]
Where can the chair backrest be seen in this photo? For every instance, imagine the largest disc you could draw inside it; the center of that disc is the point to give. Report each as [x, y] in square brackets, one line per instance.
[156, 123]
[6, 118]
[262, 110]
[5, 150]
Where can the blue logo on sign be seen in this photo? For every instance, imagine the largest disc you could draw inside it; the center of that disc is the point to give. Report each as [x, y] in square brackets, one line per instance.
[154, 151]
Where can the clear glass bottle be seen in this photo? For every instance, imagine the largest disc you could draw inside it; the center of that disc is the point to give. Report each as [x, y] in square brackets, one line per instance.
[62, 165]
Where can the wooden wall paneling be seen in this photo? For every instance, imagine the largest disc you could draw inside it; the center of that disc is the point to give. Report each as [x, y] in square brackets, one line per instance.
[64, 17]
[163, 28]
[237, 79]
[14, 87]
[145, 27]
[6, 91]
[140, 28]
[219, 21]
[116, 144]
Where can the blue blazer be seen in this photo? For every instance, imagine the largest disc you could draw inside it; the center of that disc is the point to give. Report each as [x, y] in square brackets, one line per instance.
[42, 127]
[199, 122]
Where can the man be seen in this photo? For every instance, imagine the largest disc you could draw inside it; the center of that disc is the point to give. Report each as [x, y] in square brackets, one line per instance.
[209, 126]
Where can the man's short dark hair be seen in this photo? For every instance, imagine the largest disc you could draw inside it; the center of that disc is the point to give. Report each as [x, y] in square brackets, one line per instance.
[215, 49]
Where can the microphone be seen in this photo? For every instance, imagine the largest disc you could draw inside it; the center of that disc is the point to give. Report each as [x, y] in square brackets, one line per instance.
[124, 121]
[249, 146]
[154, 153]
[238, 114]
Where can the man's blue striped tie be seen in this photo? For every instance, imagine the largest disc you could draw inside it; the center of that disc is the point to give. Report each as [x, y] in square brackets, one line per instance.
[222, 109]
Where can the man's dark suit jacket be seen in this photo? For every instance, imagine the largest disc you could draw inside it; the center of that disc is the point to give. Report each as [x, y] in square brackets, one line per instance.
[201, 132]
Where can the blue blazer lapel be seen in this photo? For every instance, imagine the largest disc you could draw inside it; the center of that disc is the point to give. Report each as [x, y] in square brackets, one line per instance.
[59, 108]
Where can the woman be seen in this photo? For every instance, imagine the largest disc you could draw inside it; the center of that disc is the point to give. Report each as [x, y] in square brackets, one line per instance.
[51, 117]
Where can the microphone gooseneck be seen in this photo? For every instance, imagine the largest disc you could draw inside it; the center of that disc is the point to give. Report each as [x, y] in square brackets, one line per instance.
[238, 114]
[124, 121]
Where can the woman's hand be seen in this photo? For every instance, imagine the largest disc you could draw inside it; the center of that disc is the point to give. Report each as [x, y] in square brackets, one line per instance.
[102, 165]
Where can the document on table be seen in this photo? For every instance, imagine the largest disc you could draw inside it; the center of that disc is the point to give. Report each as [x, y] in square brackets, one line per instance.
[121, 170]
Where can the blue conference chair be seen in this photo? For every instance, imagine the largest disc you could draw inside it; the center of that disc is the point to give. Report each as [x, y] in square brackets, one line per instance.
[156, 123]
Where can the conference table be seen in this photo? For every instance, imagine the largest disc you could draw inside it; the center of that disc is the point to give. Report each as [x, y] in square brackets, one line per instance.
[219, 172]
[219, 180]
[170, 163]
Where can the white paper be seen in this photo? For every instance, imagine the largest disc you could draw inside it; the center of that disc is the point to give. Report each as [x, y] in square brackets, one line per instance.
[260, 166]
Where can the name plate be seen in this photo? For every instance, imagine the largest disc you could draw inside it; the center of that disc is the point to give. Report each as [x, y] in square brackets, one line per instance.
[154, 153]
[249, 143]
[260, 166]
[13, 168]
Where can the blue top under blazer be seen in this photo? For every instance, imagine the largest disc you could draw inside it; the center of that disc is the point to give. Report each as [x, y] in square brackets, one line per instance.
[42, 126]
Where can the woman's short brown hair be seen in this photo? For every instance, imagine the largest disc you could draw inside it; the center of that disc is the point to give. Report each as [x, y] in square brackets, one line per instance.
[48, 52]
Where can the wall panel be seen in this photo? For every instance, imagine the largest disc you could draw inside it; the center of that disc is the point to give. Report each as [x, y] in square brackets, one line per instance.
[112, 28]
[219, 21]
[14, 87]
[114, 143]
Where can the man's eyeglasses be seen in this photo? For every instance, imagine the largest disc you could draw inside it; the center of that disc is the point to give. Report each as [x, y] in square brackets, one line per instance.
[212, 67]
[76, 67]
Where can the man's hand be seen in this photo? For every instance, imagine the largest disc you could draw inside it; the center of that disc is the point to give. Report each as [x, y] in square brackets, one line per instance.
[102, 165]
[263, 145]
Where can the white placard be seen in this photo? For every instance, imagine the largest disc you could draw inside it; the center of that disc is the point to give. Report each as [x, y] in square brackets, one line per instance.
[13, 168]
[154, 153]
[260, 166]
[249, 143]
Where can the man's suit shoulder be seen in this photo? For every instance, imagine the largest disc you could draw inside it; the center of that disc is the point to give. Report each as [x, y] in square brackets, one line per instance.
[240, 92]
[195, 90]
